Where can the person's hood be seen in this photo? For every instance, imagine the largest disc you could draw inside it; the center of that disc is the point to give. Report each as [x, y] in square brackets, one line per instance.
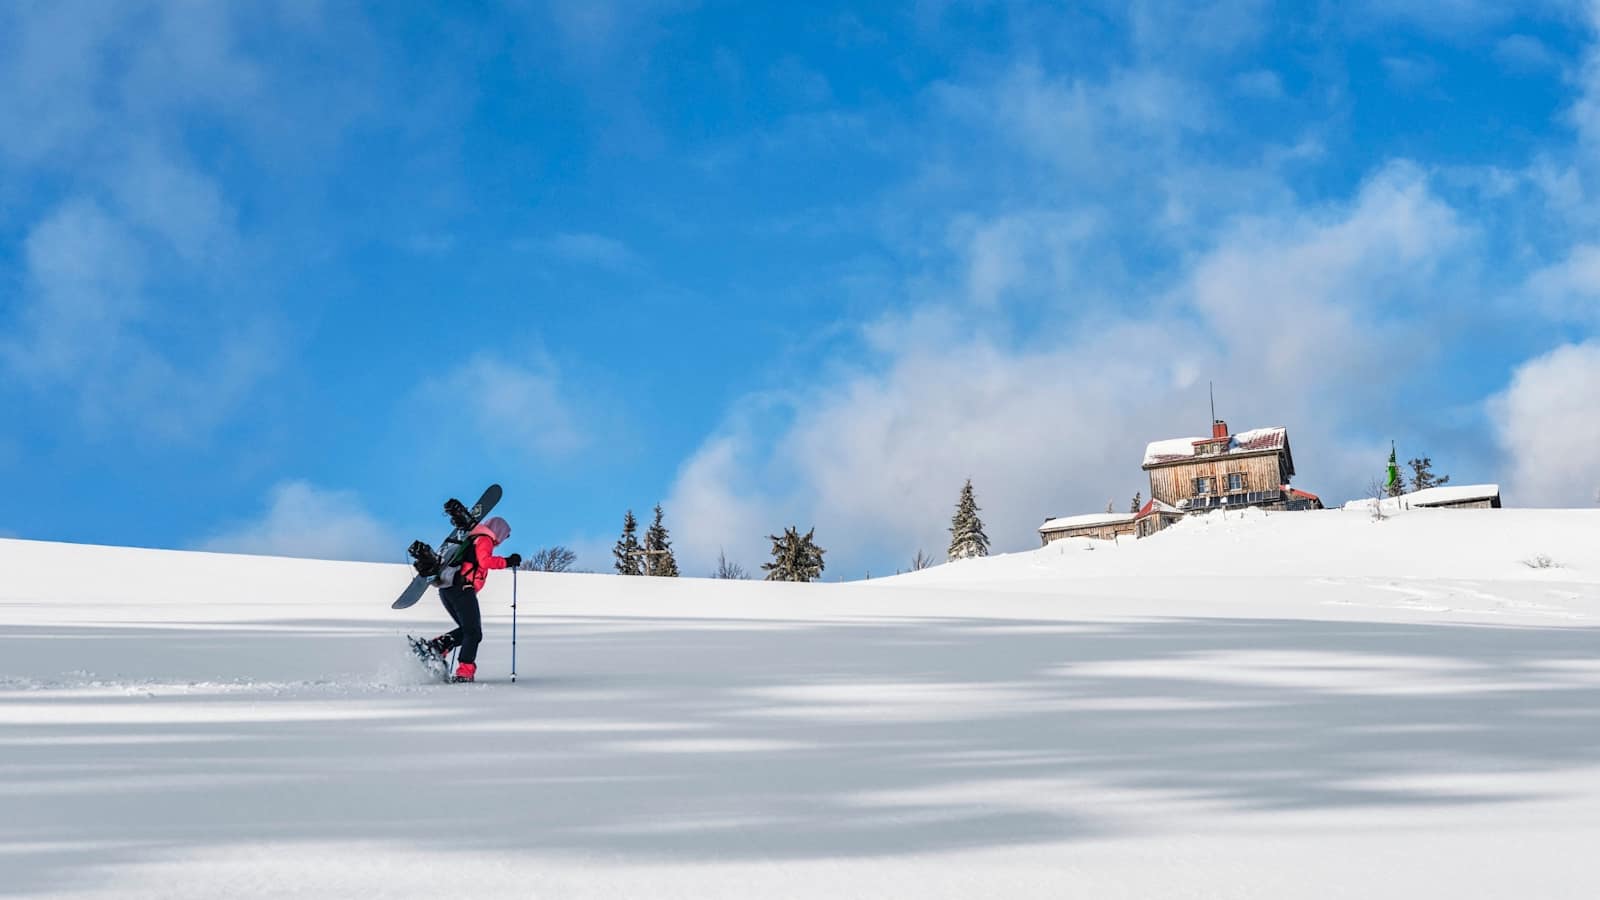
[497, 529]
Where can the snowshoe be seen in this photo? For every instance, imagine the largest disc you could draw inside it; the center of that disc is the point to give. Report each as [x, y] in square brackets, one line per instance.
[430, 658]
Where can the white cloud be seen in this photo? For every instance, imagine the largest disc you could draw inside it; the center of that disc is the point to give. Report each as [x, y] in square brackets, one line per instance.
[1166, 27]
[1034, 250]
[1546, 424]
[716, 503]
[1290, 314]
[117, 270]
[181, 207]
[51, 58]
[591, 31]
[1081, 124]
[84, 74]
[302, 520]
[85, 275]
[1570, 289]
[1301, 297]
[1585, 111]
[508, 407]
[1525, 53]
[86, 324]
[191, 56]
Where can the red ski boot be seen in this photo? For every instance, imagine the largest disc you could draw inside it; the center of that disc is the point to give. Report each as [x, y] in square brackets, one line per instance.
[465, 671]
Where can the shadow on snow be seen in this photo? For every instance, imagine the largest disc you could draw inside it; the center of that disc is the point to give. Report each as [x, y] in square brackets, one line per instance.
[732, 739]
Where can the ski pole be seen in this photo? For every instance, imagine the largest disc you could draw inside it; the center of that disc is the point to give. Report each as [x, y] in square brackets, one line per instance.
[513, 626]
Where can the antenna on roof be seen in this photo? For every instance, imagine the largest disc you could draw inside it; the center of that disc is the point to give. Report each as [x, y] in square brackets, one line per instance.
[1212, 387]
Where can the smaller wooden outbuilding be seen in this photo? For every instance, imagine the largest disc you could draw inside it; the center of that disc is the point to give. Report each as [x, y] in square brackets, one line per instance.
[1100, 526]
[1455, 496]
[1155, 516]
[1450, 496]
[1297, 500]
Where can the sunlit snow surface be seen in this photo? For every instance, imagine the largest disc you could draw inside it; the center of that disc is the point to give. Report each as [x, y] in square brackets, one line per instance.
[1293, 705]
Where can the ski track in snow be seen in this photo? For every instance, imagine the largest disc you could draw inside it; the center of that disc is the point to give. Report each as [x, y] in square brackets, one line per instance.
[1274, 706]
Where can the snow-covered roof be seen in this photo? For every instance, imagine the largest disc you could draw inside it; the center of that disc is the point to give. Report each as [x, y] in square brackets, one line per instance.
[1434, 497]
[1439, 496]
[1168, 450]
[1453, 493]
[1157, 506]
[1255, 440]
[1086, 521]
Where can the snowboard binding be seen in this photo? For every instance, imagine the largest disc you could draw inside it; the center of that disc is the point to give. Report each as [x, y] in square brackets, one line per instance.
[441, 567]
[424, 559]
[459, 515]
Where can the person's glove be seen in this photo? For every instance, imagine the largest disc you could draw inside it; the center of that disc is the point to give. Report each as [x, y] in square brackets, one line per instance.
[514, 561]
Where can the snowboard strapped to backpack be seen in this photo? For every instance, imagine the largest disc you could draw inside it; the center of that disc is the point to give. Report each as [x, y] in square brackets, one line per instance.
[442, 568]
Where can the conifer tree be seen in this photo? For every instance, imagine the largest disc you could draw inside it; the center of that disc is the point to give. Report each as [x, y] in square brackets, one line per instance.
[627, 549]
[1137, 496]
[1394, 484]
[1422, 476]
[967, 539]
[658, 550]
[795, 557]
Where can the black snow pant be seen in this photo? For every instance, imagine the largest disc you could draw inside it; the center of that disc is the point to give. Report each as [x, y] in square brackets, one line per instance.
[462, 605]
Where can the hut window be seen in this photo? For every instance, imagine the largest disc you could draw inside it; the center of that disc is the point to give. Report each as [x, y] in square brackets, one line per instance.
[1202, 486]
[1236, 481]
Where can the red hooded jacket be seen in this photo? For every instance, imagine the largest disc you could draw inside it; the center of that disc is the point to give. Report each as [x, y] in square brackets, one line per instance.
[484, 538]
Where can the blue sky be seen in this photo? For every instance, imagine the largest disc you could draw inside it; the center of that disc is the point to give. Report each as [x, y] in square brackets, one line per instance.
[281, 277]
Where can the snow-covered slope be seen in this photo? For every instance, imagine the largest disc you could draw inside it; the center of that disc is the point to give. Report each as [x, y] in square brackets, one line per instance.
[1419, 543]
[1284, 705]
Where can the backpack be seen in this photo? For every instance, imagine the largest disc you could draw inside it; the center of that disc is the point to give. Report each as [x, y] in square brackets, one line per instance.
[460, 574]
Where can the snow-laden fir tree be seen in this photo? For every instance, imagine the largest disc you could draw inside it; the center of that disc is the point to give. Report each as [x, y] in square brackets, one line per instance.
[967, 539]
[658, 559]
[795, 556]
[1422, 476]
[627, 549]
[1137, 496]
[1394, 484]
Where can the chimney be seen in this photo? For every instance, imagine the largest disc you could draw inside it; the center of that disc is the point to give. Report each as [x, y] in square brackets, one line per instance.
[1219, 429]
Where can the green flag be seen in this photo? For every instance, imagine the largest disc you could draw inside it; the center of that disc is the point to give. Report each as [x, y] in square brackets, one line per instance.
[1394, 470]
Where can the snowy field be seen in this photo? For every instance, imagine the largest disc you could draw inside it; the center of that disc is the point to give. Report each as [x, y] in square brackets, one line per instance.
[1266, 706]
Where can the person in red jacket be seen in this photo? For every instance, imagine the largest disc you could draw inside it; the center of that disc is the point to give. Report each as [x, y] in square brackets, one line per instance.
[460, 597]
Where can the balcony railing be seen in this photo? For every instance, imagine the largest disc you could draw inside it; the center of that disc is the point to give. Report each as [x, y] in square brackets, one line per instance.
[1219, 501]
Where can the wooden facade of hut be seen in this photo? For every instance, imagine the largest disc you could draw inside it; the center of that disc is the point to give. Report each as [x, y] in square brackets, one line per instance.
[1450, 496]
[1455, 496]
[1224, 471]
[1153, 517]
[1099, 526]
